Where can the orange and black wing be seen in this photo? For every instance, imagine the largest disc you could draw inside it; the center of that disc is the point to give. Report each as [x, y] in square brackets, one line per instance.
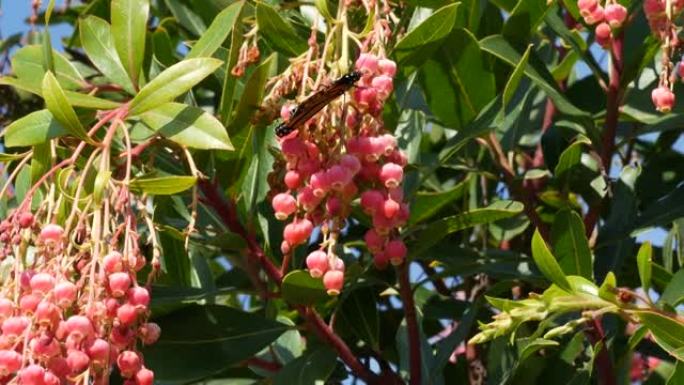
[314, 103]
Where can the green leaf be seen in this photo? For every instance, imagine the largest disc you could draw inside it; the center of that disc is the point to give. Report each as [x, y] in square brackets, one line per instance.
[230, 82]
[34, 128]
[188, 125]
[186, 17]
[570, 157]
[173, 82]
[28, 65]
[200, 341]
[129, 29]
[75, 99]
[359, 312]
[240, 128]
[96, 37]
[311, 369]
[644, 263]
[446, 347]
[436, 231]
[535, 70]
[673, 294]
[427, 204]
[10, 157]
[667, 332]
[218, 31]
[570, 244]
[300, 288]
[419, 44]
[677, 376]
[547, 263]
[165, 185]
[278, 32]
[466, 64]
[514, 81]
[60, 108]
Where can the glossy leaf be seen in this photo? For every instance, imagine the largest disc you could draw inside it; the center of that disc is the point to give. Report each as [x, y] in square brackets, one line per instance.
[278, 33]
[164, 185]
[200, 341]
[58, 105]
[673, 294]
[171, 83]
[299, 288]
[427, 204]
[417, 45]
[547, 263]
[34, 128]
[359, 312]
[570, 244]
[97, 40]
[75, 99]
[436, 231]
[189, 126]
[217, 33]
[667, 332]
[129, 29]
[644, 262]
[28, 65]
[499, 47]
[514, 81]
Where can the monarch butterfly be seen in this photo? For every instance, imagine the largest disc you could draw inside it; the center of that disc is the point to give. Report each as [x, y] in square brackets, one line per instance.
[314, 103]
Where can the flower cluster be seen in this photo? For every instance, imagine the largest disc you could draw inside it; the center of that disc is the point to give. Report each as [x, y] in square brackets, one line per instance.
[607, 19]
[327, 168]
[68, 316]
[660, 19]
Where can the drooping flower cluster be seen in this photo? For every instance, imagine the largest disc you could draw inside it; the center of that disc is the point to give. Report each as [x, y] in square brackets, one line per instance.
[67, 315]
[661, 21]
[606, 19]
[341, 155]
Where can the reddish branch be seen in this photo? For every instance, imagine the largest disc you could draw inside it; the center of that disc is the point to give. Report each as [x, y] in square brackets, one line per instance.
[228, 214]
[613, 102]
[415, 359]
[526, 196]
[603, 362]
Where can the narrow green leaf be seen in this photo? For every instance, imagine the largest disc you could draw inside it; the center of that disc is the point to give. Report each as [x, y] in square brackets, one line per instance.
[436, 231]
[41, 161]
[96, 37]
[173, 82]
[165, 185]
[667, 332]
[10, 157]
[28, 65]
[186, 17]
[300, 288]
[218, 31]
[188, 125]
[570, 157]
[129, 29]
[230, 82]
[514, 81]
[201, 341]
[278, 32]
[418, 45]
[547, 263]
[34, 128]
[673, 294]
[664, 210]
[76, 99]
[677, 377]
[535, 70]
[427, 204]
[59, 106]
[644, 263]
[570, 244]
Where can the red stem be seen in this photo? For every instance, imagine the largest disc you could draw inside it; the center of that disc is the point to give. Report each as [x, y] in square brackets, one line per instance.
[329, 336]
[603, 361]
[614, 96]
[228, 214]
[415, 359]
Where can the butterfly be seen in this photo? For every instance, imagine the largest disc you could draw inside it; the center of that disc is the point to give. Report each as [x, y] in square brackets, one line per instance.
[314, 103]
